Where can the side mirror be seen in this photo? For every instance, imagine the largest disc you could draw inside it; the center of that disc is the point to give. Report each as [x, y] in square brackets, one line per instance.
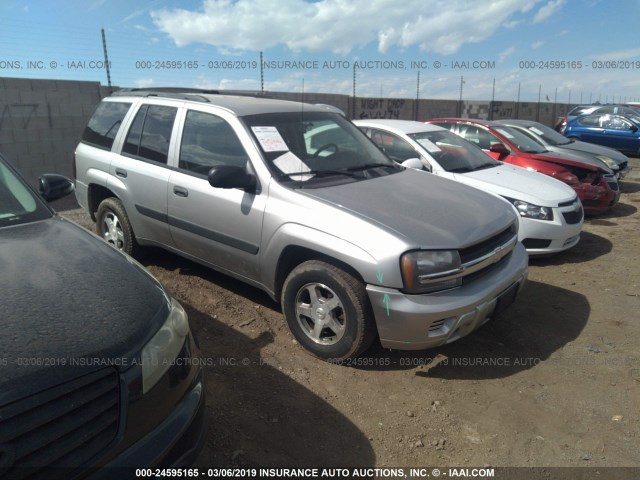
[413, 163]
[499, 148]
[231, 176]
[633, 128]
[53, 186]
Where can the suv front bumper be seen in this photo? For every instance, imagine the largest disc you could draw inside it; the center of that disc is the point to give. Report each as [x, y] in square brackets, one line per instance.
[415, 322]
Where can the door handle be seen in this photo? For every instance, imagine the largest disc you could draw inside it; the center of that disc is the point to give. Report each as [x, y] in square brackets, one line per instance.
[181, 192]
[121, 173]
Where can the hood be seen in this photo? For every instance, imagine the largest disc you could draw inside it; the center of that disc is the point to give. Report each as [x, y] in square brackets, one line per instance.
[594, 149]
[423, 210]
[67, 294]
[573, 160]
[520, 184]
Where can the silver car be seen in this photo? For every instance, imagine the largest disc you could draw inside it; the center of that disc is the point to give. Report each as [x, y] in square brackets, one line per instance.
[295, 200]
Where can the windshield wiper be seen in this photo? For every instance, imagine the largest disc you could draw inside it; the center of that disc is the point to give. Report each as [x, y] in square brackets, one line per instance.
[368, 166]
[321, 173]
[485, 165]
[460, 170]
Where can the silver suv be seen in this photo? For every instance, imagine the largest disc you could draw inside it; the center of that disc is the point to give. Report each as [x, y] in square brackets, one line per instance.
[293, 199]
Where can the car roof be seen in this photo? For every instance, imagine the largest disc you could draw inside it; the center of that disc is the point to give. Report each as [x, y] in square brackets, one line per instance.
[240, 105]
[401, 126]
[476, 121]
[520, 123]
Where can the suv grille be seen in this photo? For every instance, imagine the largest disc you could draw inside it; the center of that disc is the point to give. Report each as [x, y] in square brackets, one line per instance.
[64, 426]
[475, 253]
[479, 249]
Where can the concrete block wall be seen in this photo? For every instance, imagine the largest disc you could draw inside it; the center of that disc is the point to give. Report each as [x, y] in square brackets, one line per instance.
[41, 122]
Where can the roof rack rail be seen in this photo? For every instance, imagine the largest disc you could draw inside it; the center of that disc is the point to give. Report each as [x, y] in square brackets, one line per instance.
[187, 93]
[167, 92]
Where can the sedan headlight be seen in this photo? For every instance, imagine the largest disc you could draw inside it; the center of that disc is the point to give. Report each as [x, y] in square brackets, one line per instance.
[608, 161]
[529, 210]
[427, 271]
[161, 351]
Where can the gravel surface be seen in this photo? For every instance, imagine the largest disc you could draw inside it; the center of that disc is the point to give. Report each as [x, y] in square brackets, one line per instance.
[554, 381]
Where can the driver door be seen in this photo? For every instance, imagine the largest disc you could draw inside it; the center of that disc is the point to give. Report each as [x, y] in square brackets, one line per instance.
[220, 226]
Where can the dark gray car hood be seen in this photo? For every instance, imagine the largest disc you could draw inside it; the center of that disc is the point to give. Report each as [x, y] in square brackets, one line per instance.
[593, 149]
[67, 294]
[426, 211]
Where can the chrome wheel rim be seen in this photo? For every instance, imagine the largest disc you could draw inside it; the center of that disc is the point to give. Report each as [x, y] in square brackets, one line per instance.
[112, 230]
[320, 314]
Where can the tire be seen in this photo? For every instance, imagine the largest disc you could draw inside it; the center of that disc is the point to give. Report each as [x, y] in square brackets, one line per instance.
[328, 311]
[112, 224]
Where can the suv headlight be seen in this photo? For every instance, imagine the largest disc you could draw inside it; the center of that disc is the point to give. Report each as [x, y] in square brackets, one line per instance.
[608, 161]
[529, 210]
[426, 271]
[161, 351]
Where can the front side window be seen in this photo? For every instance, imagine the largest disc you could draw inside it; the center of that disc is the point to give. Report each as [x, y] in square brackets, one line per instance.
[478, 136]
[613, 122]
[17, 203]
[150, 133]
[395, 147]
[208, 141]
[104, 124]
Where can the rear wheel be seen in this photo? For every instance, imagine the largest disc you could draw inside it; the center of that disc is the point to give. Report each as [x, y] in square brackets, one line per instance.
[112, 224]
[327, 310]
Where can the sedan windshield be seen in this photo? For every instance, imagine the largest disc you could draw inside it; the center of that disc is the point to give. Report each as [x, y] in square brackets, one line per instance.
[453, 153]
[547, 136]
[17, 203]
[304, 146]
[521, 141]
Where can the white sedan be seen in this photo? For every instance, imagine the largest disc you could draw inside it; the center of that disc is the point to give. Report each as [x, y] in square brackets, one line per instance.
[550, 213]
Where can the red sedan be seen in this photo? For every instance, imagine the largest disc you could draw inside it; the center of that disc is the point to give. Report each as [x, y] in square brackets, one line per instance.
[595, 184]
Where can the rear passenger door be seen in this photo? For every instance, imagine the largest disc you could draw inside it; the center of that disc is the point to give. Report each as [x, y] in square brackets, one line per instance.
[219, 226]
[140, 174]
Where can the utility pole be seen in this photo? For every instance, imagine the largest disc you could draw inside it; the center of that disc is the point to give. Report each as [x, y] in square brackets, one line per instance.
[460, 101]
[106, 60]
[261, 74]
[417, 98]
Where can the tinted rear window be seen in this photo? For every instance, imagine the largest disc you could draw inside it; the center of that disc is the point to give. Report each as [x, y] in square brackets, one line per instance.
[104, 124]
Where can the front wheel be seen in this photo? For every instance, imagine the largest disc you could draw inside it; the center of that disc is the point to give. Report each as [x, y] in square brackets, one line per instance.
[327, 310]
[112, 224]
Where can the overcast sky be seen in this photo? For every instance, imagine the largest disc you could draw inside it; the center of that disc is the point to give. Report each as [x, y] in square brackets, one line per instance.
[558, 49]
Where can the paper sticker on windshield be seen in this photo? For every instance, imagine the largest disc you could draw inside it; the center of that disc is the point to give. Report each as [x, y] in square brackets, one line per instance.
[429, 145]
[270, 139]
[537, 131]
[504, 132]
[291, 165]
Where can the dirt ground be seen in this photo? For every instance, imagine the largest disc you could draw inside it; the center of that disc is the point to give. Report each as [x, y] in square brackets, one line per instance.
[554, 381]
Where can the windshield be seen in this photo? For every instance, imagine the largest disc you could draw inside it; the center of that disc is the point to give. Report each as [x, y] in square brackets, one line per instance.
[521, 141]
[453, 153]
[306, 146]
[547, 136]
[17, 203]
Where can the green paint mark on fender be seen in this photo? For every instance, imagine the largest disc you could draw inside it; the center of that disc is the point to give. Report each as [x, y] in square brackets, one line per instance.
[386, 301]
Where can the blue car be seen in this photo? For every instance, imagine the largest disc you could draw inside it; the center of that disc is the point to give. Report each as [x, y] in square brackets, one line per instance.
[616, 131]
